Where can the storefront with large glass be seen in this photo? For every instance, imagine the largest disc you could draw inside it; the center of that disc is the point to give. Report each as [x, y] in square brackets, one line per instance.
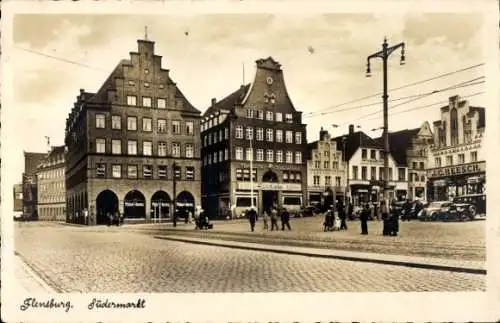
[446, 183]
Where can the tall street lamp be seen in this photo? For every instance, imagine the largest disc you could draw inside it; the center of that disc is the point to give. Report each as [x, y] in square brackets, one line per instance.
[384, 55]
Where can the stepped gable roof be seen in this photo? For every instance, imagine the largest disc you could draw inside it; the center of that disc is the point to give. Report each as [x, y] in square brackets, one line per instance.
[399, 142]
[482, 115]
[354, 141]
[229, 101]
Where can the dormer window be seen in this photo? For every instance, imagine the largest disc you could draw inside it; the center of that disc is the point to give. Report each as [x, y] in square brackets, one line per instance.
[273, 99]
[266, 97]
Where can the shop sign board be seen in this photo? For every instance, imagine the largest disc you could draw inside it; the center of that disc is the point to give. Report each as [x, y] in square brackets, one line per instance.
[470, 168]
[270, 186]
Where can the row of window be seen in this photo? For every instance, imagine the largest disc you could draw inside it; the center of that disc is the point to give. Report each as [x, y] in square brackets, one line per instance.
[373, 173]
[223, 155]
[213, 121]
[51, 187]
[461, 159]
[243, 174]
[270, 115]
[414, 177]
[270, 155]
[147, 124]
[420, 165]
[373, 154]
[54, 173]
[249, 134]
[326, 164]
[147, 101]
[132, 172]
[212, 137]
[147, 148]
[328, 180]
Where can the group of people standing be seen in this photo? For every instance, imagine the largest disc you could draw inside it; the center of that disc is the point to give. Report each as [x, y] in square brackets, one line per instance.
[390, 219]
[271, 214]
[335, 218]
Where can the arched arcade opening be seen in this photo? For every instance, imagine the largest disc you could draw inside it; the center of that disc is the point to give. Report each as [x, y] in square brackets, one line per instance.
[106, 203]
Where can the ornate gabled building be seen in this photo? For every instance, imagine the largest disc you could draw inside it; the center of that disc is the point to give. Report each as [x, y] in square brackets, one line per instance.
[257, 122]
[326, 171]
[51, 186]
[134, 146]
[457, 166]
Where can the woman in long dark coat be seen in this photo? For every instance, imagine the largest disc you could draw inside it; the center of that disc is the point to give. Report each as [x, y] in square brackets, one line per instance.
[365, 213]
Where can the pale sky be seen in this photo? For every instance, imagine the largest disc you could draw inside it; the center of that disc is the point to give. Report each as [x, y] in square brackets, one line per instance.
[208, 63]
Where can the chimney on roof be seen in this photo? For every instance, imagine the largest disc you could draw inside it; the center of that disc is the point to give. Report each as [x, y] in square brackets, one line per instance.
[213, 102]
[351, 129]
[323, 134]
[82, 90]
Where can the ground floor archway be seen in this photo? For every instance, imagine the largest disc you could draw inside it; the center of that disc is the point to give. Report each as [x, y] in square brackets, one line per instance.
[269, 200]
[106, 203]
[185, 203]
[160, 205]
[134, 205]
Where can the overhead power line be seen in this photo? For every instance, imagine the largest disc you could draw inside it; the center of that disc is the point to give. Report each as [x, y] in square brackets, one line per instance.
[468, 83]
[400, 87]
[60, 59]
[424, 106]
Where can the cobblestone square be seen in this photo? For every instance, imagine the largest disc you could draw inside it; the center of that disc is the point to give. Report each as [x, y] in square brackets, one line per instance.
[102, 259]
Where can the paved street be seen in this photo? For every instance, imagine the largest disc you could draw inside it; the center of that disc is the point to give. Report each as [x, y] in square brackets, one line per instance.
[464, 240]
[101, 259]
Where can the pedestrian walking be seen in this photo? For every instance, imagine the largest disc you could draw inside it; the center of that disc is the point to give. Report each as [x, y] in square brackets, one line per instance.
[86, 216]
[252, 217]
[350, 209]
[274, 219]
[342, 215]
[394, 223]
[285, 220]
[190, 217]
[265, 219]
[365, 213]
[385, 217]
[176, 213]
[328, 223]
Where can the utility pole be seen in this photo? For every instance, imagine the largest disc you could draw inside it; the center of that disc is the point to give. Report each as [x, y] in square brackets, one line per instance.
[384, 55]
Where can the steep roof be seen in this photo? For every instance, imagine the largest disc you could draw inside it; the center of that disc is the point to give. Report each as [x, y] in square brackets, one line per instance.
[399, 142]
[56, 150]
[354, 141]
[229, 101]
[31, 161]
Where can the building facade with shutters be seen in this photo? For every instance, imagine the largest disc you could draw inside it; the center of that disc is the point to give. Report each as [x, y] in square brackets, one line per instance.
[51, 186]
[134, 146]
[457, 165]
[365, 169]
[258, 123]
[326, 171]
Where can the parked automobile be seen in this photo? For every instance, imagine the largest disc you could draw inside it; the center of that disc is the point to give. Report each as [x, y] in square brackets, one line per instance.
[461, 212]
[434, 211]
[412, 214]
[309, 210]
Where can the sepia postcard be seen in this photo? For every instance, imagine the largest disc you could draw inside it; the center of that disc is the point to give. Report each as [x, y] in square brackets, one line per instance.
[237, 161]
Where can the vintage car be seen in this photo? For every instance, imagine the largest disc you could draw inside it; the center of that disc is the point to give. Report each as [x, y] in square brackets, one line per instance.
[434, 211]
[412, 214]
[309, 211]
[461, 212]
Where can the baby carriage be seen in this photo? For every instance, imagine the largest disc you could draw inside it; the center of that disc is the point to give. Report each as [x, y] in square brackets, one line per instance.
[336, 224]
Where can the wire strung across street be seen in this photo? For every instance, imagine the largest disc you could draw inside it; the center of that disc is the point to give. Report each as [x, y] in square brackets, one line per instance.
[460, 85]
[319, 112]
[425, 95]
